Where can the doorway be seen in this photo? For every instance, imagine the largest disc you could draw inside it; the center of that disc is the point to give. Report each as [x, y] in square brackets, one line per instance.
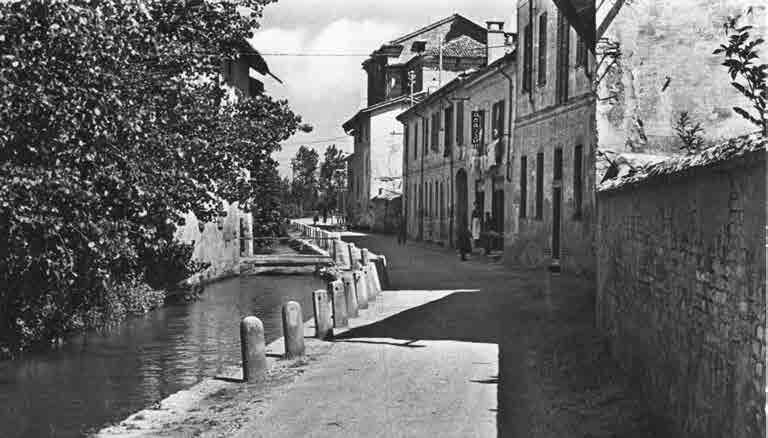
[462, 199]
[556, 207]
[497, 213]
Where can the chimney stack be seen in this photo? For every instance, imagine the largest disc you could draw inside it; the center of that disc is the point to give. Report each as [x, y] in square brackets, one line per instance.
[497, 40]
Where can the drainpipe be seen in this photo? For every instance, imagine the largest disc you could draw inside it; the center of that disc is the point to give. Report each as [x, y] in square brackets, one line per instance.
[450, 183]
[510, 119]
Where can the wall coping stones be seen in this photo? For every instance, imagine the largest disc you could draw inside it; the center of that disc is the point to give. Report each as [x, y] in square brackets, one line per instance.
[731, 149]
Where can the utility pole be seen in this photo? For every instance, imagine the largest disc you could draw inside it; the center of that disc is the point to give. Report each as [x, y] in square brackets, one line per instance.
[440, 64]
[412, 80]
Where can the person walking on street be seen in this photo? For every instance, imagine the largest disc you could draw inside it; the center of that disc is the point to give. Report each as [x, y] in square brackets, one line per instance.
[401, 231]
[465, 243]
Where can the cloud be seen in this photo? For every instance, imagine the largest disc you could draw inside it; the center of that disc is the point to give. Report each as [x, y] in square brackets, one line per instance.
[325, 91]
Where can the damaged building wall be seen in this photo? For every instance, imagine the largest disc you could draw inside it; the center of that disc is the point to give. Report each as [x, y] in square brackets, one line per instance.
[667, 66]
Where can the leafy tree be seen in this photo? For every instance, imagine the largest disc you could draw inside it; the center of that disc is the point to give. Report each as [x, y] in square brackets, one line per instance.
[741, 57]
[113, 123]
[333, 175]
[305, 184]
[689, 132]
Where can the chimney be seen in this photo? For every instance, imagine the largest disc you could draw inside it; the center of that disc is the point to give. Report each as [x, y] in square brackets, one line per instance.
[497, 40]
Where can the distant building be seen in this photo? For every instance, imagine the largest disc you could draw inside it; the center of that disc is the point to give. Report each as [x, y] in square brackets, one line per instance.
[554, 137]
[457, 146]
[411, 63]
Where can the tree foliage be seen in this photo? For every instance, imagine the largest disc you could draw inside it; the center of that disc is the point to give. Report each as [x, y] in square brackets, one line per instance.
[333, 176]
[748, 76]
[305, 184]
[113, 123]
[690, 133]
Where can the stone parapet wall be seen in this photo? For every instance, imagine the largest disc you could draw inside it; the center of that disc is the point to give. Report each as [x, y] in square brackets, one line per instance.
[681, 292]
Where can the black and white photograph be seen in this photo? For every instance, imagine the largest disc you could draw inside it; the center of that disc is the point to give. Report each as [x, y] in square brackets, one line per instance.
[367, 218]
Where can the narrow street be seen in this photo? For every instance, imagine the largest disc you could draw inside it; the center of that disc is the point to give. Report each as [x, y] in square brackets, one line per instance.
[556, 379]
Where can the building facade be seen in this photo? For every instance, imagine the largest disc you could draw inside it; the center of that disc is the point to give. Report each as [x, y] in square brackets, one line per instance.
[399, 72]
[222, 242]
[554, 137]
[457, 146]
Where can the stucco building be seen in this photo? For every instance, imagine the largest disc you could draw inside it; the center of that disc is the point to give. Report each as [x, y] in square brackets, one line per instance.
[554, 138]
[222, 242]
[400, 71]
[457, 146]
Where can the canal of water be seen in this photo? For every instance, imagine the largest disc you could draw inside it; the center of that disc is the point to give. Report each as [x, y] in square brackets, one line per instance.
[99, 378]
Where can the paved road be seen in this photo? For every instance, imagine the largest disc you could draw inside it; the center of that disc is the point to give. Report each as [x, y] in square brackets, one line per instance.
[555, 377]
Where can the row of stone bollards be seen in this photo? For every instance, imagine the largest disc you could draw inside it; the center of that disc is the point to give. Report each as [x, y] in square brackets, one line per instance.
[333, 307]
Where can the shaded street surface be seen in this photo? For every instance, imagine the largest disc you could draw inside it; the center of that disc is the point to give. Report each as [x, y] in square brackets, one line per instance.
[556, 379]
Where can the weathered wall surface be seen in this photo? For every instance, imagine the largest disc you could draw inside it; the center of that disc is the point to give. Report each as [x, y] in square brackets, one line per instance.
[386, 159]
[219, 247]
[542, 125]
[573, 125]
[681, 293]
[666, 67]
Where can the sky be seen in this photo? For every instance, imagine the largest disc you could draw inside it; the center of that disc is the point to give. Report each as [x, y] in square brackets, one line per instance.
[327, 91]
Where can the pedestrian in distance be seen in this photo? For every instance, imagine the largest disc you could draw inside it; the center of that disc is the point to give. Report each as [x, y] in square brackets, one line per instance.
[316, 218]
[465, 242]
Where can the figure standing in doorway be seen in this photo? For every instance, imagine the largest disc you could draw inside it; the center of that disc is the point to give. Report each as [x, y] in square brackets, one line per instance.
[476, 222]
[464, 243]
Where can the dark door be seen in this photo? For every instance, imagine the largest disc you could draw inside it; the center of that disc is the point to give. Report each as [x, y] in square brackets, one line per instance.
[462, 199]
[556, 201]
[497, 211]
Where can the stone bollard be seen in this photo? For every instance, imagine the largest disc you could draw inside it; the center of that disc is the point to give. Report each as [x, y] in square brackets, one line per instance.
[361, 289]
[369, 285]
[322, 307]
[253, 348]
[339, 301]
[380, 263]
[365, 256]
[351, 250]
[350, 295]
[375, 278]
[293, 329]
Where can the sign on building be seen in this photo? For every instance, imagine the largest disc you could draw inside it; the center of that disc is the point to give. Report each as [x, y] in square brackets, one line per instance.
[478, 122]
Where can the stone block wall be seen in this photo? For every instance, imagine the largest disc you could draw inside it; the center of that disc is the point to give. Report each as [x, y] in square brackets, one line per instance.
[681, 293]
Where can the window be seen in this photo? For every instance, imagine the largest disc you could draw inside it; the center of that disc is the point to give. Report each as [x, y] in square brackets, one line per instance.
[540, 185]
[578, 183]
[582, 52]
[437, 199]
[557, 163]
[448, 130]
[542, 71]
[435, 133]
[424, 136]
[563, 41]
[527, 58]
[442, 200]
[523, 186]
[497, 120]
[460, 123]
[478, 131]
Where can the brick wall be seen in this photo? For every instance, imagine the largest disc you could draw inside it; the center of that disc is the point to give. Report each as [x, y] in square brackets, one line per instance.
[681, 293]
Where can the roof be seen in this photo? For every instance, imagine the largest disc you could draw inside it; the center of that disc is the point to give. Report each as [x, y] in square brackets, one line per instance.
[731, 149]
[581, 16]
[458, 82]
[431, 26]
[253, 58]
[387, 195]
[406, 54]
[347, 126]
[461, 47]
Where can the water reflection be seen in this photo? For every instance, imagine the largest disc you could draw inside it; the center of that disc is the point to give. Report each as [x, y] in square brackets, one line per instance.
[97, 378]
